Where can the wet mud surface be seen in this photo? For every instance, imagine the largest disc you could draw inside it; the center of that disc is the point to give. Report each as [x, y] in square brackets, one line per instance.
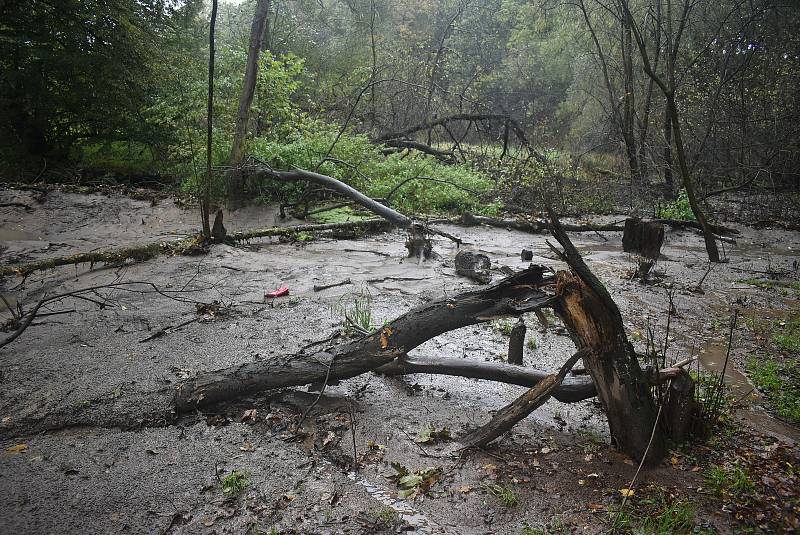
[169, 479]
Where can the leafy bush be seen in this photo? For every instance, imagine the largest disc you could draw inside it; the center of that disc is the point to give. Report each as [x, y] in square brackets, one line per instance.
[677, 209]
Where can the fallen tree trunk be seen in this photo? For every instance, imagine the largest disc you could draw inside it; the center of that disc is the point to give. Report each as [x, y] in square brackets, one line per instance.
[184, 246]
[398, 144]
[571, 390]
[513, 296]
[471, 117]
[534, 226]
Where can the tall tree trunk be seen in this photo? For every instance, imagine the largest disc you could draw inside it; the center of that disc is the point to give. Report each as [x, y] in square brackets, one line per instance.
[668, 155]
[248, 90]
[708, 234]
[205, 200]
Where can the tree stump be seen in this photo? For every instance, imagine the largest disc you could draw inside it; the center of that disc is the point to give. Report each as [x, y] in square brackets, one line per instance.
[679, 407]
[644, 239]
[516, 342]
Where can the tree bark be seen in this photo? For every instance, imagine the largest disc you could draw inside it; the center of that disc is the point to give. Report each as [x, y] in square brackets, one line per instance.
[205, 196]
[249, 88]
[594, 322]
[508, 416]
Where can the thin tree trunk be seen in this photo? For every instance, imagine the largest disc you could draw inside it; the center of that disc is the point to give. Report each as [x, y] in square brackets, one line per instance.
[248, 90]
[205, 200]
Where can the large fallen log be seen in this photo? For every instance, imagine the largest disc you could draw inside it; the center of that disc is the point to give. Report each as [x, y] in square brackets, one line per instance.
[512, 297]
[184, 246]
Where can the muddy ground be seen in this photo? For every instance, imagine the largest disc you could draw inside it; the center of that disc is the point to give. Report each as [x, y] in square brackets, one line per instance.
[557, 463]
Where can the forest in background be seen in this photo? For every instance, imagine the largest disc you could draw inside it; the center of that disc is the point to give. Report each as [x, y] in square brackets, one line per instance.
[561, 93]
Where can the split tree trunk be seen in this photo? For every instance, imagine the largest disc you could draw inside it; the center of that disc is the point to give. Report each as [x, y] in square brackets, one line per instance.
[594, 321]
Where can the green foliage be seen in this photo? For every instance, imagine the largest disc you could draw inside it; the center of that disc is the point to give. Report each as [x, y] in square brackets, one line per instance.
[728, 480]
[505, 494]
[788, 338]
[780, 382]
[234, 483]
[504, 327]
[340, 215]
[356, 314]
[677, 209]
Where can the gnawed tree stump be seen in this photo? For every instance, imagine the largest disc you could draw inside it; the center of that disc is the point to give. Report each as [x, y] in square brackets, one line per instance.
[679, 407]
[516, 342]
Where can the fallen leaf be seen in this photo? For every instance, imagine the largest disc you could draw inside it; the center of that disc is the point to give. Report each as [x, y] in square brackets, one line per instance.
[207, 521]
[626, 492]
[464, 489]
[250, 415]
[247, 447]
[595, 507]
[545, 451]
[19, 448]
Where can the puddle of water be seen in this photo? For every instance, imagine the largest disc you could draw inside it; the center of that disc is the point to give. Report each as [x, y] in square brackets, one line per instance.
[712, 358]
[17, 235]
[7, 301]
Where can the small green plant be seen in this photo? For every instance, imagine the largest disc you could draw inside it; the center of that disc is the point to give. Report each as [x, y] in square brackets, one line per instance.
[677, 209]
[356, 315]
[234, 483]
[506, 495]
[531, 343]
[503, 326]
[673, 517]
[788, 338]
[304, 237]
[528, 530]
[388, 518]
[732, 479]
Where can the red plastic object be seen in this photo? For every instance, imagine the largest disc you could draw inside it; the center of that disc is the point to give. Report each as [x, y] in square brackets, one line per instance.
[280, 292]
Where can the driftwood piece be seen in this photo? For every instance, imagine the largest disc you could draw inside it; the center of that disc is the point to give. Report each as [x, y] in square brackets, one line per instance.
[594, 321]
[508, 416]
[512, 296]
[516, 342]
[474, 266]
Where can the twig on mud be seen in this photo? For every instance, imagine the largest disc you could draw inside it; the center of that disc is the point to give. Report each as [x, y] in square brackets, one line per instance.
[699, 287]
[353, 434]
[26, 319]
[417, 444]
[321, 391]
[379, 253]
[320, 287]
[161, 332]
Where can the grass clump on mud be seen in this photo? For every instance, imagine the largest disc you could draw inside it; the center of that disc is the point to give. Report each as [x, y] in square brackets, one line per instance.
[780, 383]
[678, 209]
[235, 483]
[658, 512]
